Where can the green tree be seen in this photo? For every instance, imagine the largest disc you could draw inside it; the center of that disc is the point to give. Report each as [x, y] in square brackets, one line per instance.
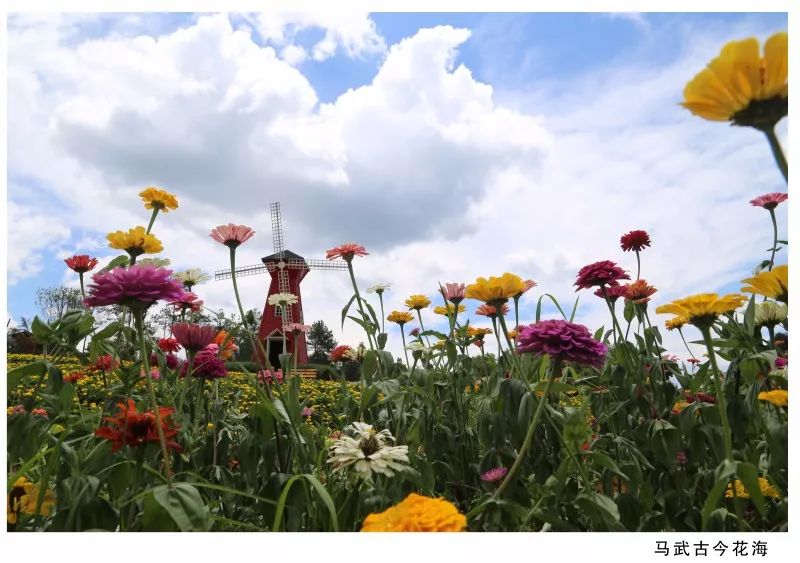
[321, 341]
[55, 301]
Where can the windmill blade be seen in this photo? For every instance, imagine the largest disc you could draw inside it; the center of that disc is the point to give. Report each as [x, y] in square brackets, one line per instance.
[277, 228]
[240, 272]
[314, 264]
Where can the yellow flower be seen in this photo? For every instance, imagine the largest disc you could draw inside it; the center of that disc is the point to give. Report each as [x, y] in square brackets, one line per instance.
[400, 317]
[512, 334]
[702, 309]
[23, 497]
[774, 284]
[155, 198]
[417, 302]
[495, 290]
[135, 242]
[766, 489]
[679, 406]
[474, 332]
[778, 397]
[449, 310]
[675, 322]
[417, 514]
[742, 86]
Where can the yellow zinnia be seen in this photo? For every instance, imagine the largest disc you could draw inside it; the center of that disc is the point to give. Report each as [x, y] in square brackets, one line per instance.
[400, 317]
[495, 290]
[135, 242]
[23, 497]
[447, 311]
[473, 332]
[778, 397]
[741, 86]
[417, 302]
[774, 284]
[417, 514]
[741, 492]
[702, 309]
[675, 322]
[155, 198]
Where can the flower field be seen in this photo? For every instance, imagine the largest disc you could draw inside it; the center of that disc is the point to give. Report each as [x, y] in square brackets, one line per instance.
[565, 428]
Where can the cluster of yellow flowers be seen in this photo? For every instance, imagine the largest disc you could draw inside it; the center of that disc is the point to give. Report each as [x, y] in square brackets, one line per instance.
[741, 491]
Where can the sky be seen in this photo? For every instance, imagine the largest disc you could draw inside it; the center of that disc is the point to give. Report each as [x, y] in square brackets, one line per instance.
[451, 146]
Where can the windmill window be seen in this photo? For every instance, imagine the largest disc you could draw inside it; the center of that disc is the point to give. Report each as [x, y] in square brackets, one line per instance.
[277, 310]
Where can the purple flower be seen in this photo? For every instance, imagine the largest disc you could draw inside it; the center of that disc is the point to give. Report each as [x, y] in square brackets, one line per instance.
[207, 364]
[613, 291]
[599, 274]
[414, 331]
[562, 340]
[494, 475]
[137, 286]
[780, 362]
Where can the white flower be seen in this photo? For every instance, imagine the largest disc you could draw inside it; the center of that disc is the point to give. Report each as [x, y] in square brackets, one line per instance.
[379, 288]
[356, 354]
[192, 276]
[157, 262]
[368, 451]
[770, 313]
[282, 299]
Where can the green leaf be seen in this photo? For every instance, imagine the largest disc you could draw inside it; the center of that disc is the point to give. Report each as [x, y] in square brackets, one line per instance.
[600, 508]
[629, 312]
[121, 260]
[18, 374]
[184, 505]
[748, 474]
[108, 331]
[382, 338]
[750, 315]
[346, 308]
[723, 474]
[369, 366]
[318, 487]
[608, 463]
[555, 301]
[41, 332]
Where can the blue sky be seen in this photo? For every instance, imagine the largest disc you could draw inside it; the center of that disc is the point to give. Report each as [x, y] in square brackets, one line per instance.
[549, 113]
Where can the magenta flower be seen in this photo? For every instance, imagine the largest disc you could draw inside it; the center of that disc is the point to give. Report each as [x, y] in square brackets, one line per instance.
[232, 235]
[454, 292]
[136, 286]
[494, 475]
[414, 331]
[346, 251]
[207, 364]
[599, 274]
[614, 292]
[634, 240]
[769, 201]
[781, 362]
[267, 376]
[188, 301]
[171, 360]
[193, 337]
[562, 340]
[296, 328]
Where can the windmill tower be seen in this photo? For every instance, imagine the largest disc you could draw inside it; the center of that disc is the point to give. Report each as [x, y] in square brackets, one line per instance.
[286, 270]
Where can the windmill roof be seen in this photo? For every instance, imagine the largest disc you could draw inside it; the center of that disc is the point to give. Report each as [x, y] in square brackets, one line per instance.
[287, 255]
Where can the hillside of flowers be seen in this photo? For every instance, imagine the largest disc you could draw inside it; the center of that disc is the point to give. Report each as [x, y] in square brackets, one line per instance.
[564, 428]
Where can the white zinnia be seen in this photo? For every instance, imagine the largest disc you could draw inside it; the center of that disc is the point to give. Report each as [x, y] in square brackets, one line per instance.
[770, 313]
[282, 299]
[379, 288]
[157, 262]
[192, 276]
[368, 451]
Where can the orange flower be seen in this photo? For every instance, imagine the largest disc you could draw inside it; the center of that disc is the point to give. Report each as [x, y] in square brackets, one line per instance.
[132, 428]
[226, 352]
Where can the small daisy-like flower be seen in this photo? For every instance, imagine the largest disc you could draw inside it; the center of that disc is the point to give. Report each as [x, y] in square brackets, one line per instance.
[454, 292]
[232, 235]
[495, 290]
[346, 252]
[770, 313]
[339, 353]
[448, 311]
[400, 317]
[634, 240]
[296, 328]
[81, 263]
[769, 201]
[612, 292]
[490, 310]
[135, 242]
[702, 309]
[156, 198]
[368, 451]
[191, 277]
[379, 288]
[600, 274]
[417, 302]
[282, 299]
[639, 292]
[494, 475]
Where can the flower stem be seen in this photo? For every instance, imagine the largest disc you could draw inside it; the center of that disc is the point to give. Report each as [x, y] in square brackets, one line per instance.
[555, 371]
[383, 315]
[138, 317]
[680, 331]
[719, 386]
[422, 326]
[83, 293]
[403, 336]
[777, 151]
[638, 265]
[774, 238]
[152, 219]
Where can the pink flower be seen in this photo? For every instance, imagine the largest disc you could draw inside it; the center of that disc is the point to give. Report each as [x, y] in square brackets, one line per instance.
[527, 285]
[599, 274]
[613, 292]
[40, 412]
[780, 362]
[346, 251]
[206, 364]
[562, 340]
[171, 360]
[634, 240]
[268, 376]
[490, 311]
[136, 286]
[296, 328]
[155, 373]
[769, 201]
[81, 263]
[339, 353]
[232, 235]
[494, 475]
[17, 409]
[193, 337]
[307, 411]
[187, 301]
[454, 292]
[414, 331]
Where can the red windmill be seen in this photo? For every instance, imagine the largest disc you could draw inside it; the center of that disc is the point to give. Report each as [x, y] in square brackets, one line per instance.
[287, 270]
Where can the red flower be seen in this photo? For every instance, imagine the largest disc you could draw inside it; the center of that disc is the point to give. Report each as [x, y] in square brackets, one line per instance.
[74, 376]
[634, 240]
[106, 363]
[346, 251]
[188, 301]
[613, 292]
[168, 345]
[490, 310]
[769, 201]
[132, 428]
[599, 274]
[338, 353]
[693, 361]
[81, 263]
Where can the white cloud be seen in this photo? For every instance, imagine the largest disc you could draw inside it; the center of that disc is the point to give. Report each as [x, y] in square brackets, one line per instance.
[30, 234]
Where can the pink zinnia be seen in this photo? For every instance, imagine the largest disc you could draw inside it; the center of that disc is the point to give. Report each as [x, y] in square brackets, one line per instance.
[613, 292]
[414, 331]
[187, 301]
[296, 328]
[454, 292]
[267, 376]
[600, 273]
[494, 475]
[40, 412]
[136, 286]
[193, 337]
[634, 240]
[769, 201]
[339, 353]
[490, 311]
[562, 340]
[346, 251]
[232, 235]
[781, 362]
[307, 411]
[206, 364]
[81, 263]
[168, 345]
